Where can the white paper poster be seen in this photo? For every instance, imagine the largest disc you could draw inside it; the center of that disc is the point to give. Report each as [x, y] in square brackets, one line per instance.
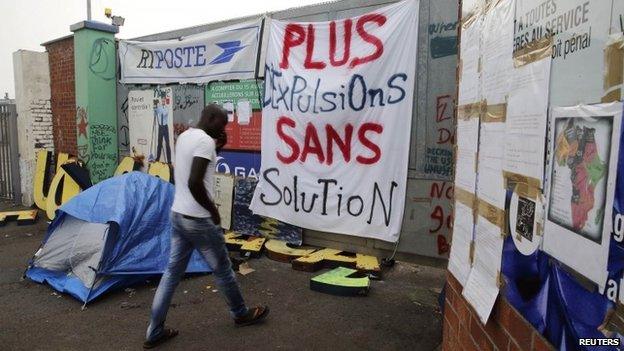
[496, 52]
[580, 28]
[469, 81]
[150, 124]
[527, 114]
[459, 258]
[466, 152]
[222, 54]
[337, 120]
[482, 286]
[490, 183]
[584, 146]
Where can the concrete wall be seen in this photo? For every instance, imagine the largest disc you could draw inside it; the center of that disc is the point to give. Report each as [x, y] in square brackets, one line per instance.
[63, 98]
[34, 114]
[96, 99]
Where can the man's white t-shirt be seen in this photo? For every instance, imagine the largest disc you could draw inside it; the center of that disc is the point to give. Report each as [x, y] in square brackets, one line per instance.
[192, 143]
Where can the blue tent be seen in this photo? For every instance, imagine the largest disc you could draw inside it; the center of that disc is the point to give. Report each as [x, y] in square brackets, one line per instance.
[111, 235]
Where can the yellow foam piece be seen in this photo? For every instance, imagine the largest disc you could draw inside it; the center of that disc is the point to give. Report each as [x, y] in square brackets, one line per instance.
[125, 166]
[326, 254]
[23, 215]
[160, 170]
[70, 189]
[253, 244]
[43, 160]
[366, 263]
[281, 248]
[360, 261]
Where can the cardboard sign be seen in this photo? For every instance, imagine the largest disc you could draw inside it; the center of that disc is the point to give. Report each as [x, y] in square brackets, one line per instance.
[224, 198]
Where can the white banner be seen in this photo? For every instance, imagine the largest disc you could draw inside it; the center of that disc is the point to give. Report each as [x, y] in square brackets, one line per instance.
[223, 54]
[337, 115]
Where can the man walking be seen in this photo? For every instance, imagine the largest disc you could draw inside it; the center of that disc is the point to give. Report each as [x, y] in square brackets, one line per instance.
[196, 225]
[161, 115]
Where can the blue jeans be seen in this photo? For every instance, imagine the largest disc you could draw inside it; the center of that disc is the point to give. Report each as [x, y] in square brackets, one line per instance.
[188, 234]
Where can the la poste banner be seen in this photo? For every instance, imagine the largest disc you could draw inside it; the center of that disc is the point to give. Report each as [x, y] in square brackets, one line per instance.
[222, 54]
[336, 123]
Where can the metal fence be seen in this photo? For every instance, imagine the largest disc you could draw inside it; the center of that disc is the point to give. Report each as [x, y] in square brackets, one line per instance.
[9, 161]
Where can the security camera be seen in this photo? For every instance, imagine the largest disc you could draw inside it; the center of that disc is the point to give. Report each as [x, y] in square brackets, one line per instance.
[117, 21]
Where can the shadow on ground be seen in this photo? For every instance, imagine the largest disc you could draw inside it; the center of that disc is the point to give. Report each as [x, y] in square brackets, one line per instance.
[400, 312]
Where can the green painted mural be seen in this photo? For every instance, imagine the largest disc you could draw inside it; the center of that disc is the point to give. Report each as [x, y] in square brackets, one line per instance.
[96, 108]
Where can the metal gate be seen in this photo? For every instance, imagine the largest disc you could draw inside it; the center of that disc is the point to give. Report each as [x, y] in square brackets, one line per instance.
[9, 160]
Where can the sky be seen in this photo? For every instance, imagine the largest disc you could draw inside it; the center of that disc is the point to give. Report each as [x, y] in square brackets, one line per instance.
[28, 23]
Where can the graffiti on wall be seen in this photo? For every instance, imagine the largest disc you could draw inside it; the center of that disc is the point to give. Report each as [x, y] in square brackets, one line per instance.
[188, 102]
[433, 137]
[123, 134]
[82, 130]
[103, 158]
[443, 39]
[96, 117]
[428, 219]
[441, 217]
[439, 152]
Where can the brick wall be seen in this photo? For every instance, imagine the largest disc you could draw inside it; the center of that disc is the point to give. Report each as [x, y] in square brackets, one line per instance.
[506, 329]
[62, 91]
[42, 124]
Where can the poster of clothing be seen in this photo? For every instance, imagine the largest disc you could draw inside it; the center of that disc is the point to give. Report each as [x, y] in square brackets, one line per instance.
[150, 124]
[242, 100]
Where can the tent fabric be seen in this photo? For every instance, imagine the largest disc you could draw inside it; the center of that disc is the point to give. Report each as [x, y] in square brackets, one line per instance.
[136, 208]
[74, 246]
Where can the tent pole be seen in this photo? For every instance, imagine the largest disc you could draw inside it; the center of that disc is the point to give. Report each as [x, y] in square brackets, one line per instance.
[84, 306]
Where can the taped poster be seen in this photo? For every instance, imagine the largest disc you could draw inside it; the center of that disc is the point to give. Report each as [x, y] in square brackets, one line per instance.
[459, 259]
[527, 116]
[222, 54]
[578, 30]
[584, 146]
[243, 102]
[526, 222]
[483, 285]
[335, 150]
[150, 124]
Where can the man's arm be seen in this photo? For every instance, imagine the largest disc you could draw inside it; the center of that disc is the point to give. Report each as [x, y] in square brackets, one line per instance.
[198, 190]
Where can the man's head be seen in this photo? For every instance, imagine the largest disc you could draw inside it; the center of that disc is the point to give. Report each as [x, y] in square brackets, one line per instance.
[213, 120]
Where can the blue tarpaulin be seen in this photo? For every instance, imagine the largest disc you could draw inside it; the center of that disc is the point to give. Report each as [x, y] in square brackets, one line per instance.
[137, 208]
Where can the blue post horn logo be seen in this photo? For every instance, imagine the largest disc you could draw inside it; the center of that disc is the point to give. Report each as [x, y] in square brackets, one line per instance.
[229, 49]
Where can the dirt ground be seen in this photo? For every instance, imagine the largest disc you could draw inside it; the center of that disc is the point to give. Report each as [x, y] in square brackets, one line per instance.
[400, 312]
